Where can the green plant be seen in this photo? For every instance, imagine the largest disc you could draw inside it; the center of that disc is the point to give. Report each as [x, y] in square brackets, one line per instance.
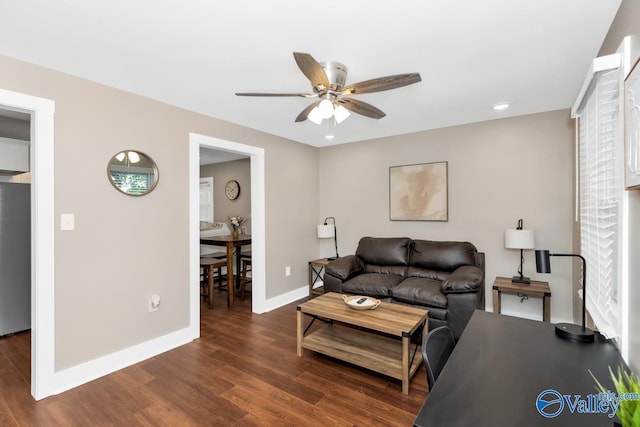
[627, 387]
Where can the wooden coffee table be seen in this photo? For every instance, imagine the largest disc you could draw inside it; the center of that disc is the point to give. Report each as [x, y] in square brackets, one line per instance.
[377, 339]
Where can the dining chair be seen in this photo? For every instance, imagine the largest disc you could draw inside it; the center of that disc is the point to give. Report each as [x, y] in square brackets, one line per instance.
[436, 349]
[246, 268]
[209, 266]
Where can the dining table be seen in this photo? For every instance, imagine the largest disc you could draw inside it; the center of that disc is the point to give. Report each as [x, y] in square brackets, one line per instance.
[233, 244]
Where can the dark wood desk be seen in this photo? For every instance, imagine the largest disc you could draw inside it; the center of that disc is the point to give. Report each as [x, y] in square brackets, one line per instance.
[500, 366]
[230, 243]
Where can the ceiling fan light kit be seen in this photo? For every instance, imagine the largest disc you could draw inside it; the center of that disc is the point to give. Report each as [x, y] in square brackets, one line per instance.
[328, 82]
[327, 109]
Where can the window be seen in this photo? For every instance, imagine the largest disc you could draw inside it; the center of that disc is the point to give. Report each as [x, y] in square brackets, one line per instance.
[600, 194]
[206, 199]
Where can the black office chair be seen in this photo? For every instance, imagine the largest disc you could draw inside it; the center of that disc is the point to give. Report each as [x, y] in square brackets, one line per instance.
[436, 349]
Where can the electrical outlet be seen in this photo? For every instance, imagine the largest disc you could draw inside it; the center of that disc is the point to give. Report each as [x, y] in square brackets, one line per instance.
[154, 303]
[287, 271]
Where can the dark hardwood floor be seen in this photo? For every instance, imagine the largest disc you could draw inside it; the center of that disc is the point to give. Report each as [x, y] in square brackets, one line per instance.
[243, 371]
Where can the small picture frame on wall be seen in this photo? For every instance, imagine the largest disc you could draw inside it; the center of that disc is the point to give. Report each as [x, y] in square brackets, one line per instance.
[632, 130]
[419, 192]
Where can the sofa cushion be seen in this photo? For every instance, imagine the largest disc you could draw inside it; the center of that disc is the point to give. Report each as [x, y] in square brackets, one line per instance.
[418, 290]
[443, 256]
[375, 285]
[398, 270]
[427, 273]
[384, 251]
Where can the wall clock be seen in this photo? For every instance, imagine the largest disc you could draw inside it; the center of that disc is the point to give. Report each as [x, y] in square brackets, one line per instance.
[232, 189]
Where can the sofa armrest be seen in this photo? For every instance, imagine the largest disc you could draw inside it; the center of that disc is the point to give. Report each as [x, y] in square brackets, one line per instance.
[345, 267]
[340, 270]
[467, 278]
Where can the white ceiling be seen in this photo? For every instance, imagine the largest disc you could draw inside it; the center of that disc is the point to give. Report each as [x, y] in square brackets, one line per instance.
[196, 54]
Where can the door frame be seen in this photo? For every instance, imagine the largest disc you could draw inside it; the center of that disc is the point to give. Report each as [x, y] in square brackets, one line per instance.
[258, 282]
[41, 166]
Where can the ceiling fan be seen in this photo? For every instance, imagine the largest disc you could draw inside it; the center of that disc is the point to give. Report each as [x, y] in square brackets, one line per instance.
[328, 81]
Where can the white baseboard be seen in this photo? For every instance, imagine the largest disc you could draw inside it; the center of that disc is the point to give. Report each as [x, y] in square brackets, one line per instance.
[284, 299]
[69, 378]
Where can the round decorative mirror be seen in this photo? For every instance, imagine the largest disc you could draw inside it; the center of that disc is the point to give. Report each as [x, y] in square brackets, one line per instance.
[132, 172]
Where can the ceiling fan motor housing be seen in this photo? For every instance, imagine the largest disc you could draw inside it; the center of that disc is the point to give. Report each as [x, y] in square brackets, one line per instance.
[336, 73]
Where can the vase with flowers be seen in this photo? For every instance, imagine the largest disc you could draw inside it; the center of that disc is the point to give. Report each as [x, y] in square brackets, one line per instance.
[236, 222]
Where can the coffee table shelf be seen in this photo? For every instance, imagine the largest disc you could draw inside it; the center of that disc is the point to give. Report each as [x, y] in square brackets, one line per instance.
[375, 352]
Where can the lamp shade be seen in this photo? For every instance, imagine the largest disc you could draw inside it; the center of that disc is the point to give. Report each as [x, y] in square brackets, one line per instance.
[326, 108]
[315, 116]
[519, 239]
[340, 114]
[543, 261]
[326, 231]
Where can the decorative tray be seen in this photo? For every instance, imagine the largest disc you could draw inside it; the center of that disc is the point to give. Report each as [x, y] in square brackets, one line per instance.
[359, 302]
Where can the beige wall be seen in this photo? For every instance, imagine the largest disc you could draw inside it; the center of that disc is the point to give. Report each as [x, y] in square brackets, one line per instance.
[125, 248]
[627, 22]
[499, 171]
[223, 208]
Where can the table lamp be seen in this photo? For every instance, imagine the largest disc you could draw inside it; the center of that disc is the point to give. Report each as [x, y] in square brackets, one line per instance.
[568, 330]
[326, 231]
[520, 239]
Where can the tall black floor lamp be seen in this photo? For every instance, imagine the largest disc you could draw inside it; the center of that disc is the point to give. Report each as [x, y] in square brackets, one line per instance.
[568, 331]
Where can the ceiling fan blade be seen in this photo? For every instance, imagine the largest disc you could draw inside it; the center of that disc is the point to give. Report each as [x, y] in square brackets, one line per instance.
[304, 113]
[360, 107]
[303, 95]
[382, 83]
[311, 69]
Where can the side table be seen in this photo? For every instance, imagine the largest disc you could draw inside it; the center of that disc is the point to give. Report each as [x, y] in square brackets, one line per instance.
[534, 289]
[316, 273]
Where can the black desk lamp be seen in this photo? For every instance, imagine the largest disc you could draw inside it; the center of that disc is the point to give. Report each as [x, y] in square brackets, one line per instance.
[568, 331]
[325, 231]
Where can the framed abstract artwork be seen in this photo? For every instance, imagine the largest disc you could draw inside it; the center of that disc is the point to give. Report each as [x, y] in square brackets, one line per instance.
[419, 192]
[632, 130]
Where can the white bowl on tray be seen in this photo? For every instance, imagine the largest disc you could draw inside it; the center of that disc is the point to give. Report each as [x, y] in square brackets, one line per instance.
[361, 302]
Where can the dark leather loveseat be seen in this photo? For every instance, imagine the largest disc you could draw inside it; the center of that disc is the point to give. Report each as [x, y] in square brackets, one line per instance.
[447, 278]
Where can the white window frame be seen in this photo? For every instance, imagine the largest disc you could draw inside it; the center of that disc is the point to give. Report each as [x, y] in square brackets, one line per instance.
[600, 198]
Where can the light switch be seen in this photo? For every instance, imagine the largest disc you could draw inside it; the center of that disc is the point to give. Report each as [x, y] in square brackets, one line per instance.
[67, 222]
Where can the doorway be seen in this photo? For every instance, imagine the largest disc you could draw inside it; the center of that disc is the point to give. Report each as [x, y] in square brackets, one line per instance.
[256, 156]
[42, 237]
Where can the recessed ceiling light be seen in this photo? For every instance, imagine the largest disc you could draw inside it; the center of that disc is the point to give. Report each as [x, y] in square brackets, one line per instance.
[329, 136]
[501, 106]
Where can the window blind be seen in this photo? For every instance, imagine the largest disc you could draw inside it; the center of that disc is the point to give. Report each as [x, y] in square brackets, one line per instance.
[206, 199]
[600, 193]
